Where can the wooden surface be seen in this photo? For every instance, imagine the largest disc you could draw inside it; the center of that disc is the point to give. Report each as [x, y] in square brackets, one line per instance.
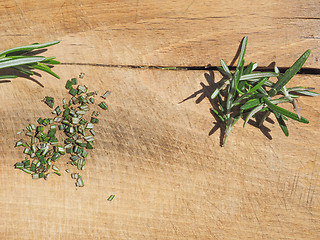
[162, 158]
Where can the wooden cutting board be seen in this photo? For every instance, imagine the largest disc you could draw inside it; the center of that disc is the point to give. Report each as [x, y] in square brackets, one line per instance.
[159, 155]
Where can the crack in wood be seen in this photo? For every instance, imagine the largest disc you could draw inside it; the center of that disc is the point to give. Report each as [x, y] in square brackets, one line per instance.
[311, 71]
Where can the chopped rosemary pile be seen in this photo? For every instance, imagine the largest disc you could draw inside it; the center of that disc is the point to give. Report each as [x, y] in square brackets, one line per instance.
[72, 123]
[245, 93]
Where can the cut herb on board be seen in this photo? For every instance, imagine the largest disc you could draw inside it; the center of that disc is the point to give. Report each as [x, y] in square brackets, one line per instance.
[23, 60]
[245, 93]
[69, 132]
[111, 197]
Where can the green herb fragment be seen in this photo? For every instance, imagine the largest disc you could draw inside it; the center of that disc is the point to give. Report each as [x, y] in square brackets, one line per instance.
[74, 81]
[79, 182]
[91, 100]
[89, 145]
[103, 105]
[89, 138]
[40, 120]
[56, 156]
[20, 143]
[94, 120]
[58, 110]
[49, 101]
[73, 92]
[35, 176]
[82, 89]
[74, 158]
[55, 168]
[19, 165]
[111, 197]
[81, 75]
[74, 175]
[69, 84]
[46, 176]
[26, 170]
[106, 94]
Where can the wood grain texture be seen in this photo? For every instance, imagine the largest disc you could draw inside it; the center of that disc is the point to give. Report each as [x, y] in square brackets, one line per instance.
[158, 154]
[167, 32]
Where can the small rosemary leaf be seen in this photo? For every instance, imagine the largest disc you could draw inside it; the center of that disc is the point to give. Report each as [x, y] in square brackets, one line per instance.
[253, 112]
[258, 75]
[217, 113]
[8, 76]
[23, 70]
[215, 93]
[45, 68]
[18, 62]
[307, 93]
[286, 77]
[251, 91]
[50, 61]
[225, 68]
[250, 104]
[28, 48]
[282, 124]
[242, 51]
[248, 69]
[285, 112]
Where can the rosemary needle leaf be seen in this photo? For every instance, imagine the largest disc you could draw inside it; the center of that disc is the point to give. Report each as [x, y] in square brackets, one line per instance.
[28, 48]
[250, 104]
[287, 113]
[285, 78]
[243, 51]
[253, 112]
[8, 76]
[225, 68]
[215, 93]
[282, 123]
[307, 93]
[22, 61]
[258, 75]
[45, 68]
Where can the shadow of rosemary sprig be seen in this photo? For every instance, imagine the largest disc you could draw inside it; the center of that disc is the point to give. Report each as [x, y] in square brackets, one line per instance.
[22, 59]
[244, 93]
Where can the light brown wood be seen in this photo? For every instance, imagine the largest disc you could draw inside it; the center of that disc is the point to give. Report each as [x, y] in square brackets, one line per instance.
[157, 154]
[166, 32]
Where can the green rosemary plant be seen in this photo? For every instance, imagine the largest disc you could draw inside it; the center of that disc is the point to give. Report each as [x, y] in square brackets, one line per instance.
[22, 60]
[244, 93]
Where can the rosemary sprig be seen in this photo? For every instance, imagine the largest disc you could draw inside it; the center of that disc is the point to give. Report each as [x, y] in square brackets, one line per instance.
[245, 93]
[18, 59]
